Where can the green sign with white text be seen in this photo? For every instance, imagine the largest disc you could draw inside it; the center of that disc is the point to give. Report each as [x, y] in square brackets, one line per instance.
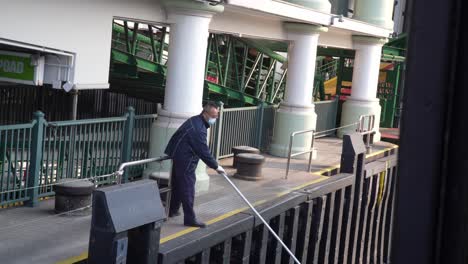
[16, 67]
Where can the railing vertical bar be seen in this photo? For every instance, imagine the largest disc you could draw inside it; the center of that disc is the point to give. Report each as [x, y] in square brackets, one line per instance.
[108, 132]
[61, 153]
[338, 225]
[71, 151]
[293, 237]
[227, 251]
[78, 151]
[264, 245]
[393, 173]
[205, 255]
[9, 172]
[117, 142]
[93, 151]
[16, 172]
[100, 139]
[247, 245]
[371, 220]
[356, 209]
[46, 161]
[317, 229]
[366, 200]
[26, 181]
[84, 166]
[22, 168]
[3, 162]
[376, 239]
[305, 217]
[328, 229]
[378, 243]
[279, 248]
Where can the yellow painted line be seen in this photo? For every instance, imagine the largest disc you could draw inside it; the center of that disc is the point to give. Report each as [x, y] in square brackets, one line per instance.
[163, 240]
[12, 205]
[72, 260]
[381, 151]
[320, 172]
[178, 234]
[209, 222]
[322, 178]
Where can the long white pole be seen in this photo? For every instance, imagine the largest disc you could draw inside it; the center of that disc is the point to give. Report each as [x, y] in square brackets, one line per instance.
[261, 218]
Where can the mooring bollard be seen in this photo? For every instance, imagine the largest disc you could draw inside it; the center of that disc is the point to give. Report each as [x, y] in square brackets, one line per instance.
[71, 195]
[249, 166]
[242, 149]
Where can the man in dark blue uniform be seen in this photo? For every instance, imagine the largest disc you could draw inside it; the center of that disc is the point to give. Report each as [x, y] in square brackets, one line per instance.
[186, 147]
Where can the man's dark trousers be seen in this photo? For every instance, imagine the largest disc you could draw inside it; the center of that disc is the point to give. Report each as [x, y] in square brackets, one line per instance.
[183, 188]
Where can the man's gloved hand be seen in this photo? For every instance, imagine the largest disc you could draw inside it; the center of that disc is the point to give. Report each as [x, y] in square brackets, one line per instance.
[220, 170]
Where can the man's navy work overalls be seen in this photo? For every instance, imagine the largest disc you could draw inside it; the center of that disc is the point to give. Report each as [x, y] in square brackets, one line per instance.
[186, 147]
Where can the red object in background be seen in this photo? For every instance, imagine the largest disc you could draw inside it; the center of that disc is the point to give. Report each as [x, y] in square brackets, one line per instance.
[213, 79]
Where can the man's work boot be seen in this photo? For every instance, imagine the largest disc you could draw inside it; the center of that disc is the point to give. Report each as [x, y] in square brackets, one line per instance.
[195, 223]
[174, 214]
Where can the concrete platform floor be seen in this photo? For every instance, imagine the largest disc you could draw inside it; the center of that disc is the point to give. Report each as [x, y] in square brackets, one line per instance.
[36, 235]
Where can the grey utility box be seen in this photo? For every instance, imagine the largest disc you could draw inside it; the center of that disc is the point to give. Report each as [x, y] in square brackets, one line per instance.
[126, 223]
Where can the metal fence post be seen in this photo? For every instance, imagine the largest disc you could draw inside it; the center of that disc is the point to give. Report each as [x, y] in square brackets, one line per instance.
[261, 110]
[128, 139]
[37, 139]
[219, 130]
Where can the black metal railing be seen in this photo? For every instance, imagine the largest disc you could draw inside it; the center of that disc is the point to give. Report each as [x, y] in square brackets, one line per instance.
[344, 219]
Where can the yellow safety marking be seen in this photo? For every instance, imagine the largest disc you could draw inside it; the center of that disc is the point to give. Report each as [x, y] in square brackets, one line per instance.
[322, 178]
[382, 177]
[11, 205]
[381, 151]
[178, 234]
[320, 172]
[74, 259]
[209, 222]
[231, 213]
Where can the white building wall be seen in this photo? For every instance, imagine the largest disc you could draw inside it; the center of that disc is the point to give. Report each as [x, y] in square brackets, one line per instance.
[83, 28]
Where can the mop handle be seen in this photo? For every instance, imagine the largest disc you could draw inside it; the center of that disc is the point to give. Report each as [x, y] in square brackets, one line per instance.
[261, 218]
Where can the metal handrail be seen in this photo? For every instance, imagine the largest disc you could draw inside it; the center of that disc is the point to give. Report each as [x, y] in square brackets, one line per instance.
[370, 128]
[290, 155]
[122, 166]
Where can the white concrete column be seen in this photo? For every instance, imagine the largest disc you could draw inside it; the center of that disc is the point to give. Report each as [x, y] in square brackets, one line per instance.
[302, 53]
[189, 22]
[363, 99]
[297, 111]
[319, 5]
[188, 41]
[377, 12]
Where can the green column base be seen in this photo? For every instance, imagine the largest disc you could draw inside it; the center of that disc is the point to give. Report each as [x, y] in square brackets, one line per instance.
[288, 120]
[351, 111]
[319, 5]
[161, 132]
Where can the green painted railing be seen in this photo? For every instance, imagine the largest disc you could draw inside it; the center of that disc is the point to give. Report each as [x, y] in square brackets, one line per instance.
[34, 156]
[15, 153]
[244, 126]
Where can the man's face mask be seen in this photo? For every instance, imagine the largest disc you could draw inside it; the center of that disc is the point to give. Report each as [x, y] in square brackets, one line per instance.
[212, 121]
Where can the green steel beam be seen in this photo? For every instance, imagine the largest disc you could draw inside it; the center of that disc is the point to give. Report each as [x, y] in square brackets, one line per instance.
[231, 93]
[140, 37]
[121, 57]
[262, 48]
[134, 38]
